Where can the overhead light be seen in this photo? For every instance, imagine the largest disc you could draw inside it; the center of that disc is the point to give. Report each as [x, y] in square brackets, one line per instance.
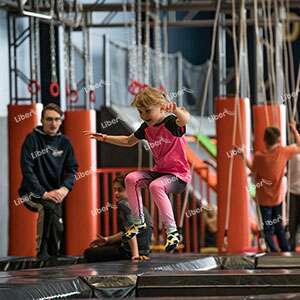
[36, 15]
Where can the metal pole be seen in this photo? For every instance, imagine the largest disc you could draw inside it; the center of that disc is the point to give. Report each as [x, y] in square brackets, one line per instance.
[179, 78]
[9, 57]
[244, 66]
[279, 90]
[259, 90]
[222, 56]
[106, 65]
[15, 59]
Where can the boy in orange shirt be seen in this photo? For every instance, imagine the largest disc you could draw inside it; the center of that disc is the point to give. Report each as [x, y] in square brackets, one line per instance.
[268, 168]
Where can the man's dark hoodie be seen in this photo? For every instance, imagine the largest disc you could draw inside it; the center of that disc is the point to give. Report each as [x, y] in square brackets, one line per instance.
[47, 163]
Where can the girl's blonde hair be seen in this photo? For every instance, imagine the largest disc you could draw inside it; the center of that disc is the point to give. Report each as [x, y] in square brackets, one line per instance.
[149, 96]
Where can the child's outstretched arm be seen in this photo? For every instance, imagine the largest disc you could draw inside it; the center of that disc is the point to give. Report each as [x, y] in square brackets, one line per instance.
[135, 250]
[248, 162]
[295, 133]
[181, 113]
[119, 140]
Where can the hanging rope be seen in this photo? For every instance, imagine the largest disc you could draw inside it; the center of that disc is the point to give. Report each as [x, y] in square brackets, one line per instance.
[54, 86]
[258, 41]
[295, 116]
[269, 51]
[166, 50]
[132, 49]
[147, 44]
[34, 85]
[274, 99]
[237, 114]
[139, 41]
[157, 44]
[261, 240]
[213, 45]
[210, 62]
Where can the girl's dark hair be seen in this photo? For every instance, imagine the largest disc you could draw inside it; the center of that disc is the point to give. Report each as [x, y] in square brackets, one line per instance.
[120, 179]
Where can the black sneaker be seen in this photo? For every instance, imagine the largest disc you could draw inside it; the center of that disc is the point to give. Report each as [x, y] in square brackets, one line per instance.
[133, 231]
[173, 240]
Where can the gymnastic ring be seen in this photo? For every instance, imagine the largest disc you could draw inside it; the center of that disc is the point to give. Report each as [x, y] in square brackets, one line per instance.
[54, 89]
[292, 36]
[74, 96]
[92, 96]
[33, 87]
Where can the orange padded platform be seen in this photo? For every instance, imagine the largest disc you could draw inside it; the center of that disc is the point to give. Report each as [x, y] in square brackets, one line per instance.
[239, 222]
[22, 222]
[81, 207]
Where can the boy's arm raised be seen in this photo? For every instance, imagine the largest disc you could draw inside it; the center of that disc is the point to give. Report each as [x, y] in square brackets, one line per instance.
[295, 133]
[249, 163]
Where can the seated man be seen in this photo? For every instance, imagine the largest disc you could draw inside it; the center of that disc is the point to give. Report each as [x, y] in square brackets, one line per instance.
[112, 247]
[48, 167]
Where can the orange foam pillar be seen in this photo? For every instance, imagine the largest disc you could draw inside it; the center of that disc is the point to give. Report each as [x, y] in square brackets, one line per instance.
[22, 222]
[265, 115]
[82, 219]
[238, 233]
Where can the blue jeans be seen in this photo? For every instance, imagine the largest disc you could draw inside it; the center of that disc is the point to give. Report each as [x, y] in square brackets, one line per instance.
[272, 219]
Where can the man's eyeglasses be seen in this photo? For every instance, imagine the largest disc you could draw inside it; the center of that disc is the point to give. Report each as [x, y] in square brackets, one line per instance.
[49, 119]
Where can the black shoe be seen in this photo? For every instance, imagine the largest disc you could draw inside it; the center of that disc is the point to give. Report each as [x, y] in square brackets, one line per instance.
[133, 231]
[173, 240]
[43, 253]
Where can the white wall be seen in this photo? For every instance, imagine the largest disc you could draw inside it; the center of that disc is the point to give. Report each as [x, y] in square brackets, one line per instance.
[4, 100]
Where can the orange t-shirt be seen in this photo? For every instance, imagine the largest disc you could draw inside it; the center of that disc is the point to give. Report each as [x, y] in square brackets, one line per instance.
[269, 167]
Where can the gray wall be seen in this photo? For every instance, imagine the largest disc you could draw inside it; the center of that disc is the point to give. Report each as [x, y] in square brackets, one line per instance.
[4, 100]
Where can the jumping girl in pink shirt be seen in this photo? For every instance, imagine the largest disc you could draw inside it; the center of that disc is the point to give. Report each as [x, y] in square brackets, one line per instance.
[163, 128]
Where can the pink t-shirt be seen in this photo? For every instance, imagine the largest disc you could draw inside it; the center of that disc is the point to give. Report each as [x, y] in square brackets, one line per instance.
[167, 144]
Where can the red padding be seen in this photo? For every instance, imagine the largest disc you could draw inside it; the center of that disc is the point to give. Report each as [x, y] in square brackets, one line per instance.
[239, 222]
[82, 217]
[22, 222]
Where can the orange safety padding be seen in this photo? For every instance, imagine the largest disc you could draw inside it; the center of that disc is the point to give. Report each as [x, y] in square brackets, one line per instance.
[81, 207]
[22, 222]
[260, 122]
[238, 233]
[200, 167]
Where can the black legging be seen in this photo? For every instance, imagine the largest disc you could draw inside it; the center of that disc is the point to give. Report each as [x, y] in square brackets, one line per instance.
[106, 253]
[294, 219]
[49, 227]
